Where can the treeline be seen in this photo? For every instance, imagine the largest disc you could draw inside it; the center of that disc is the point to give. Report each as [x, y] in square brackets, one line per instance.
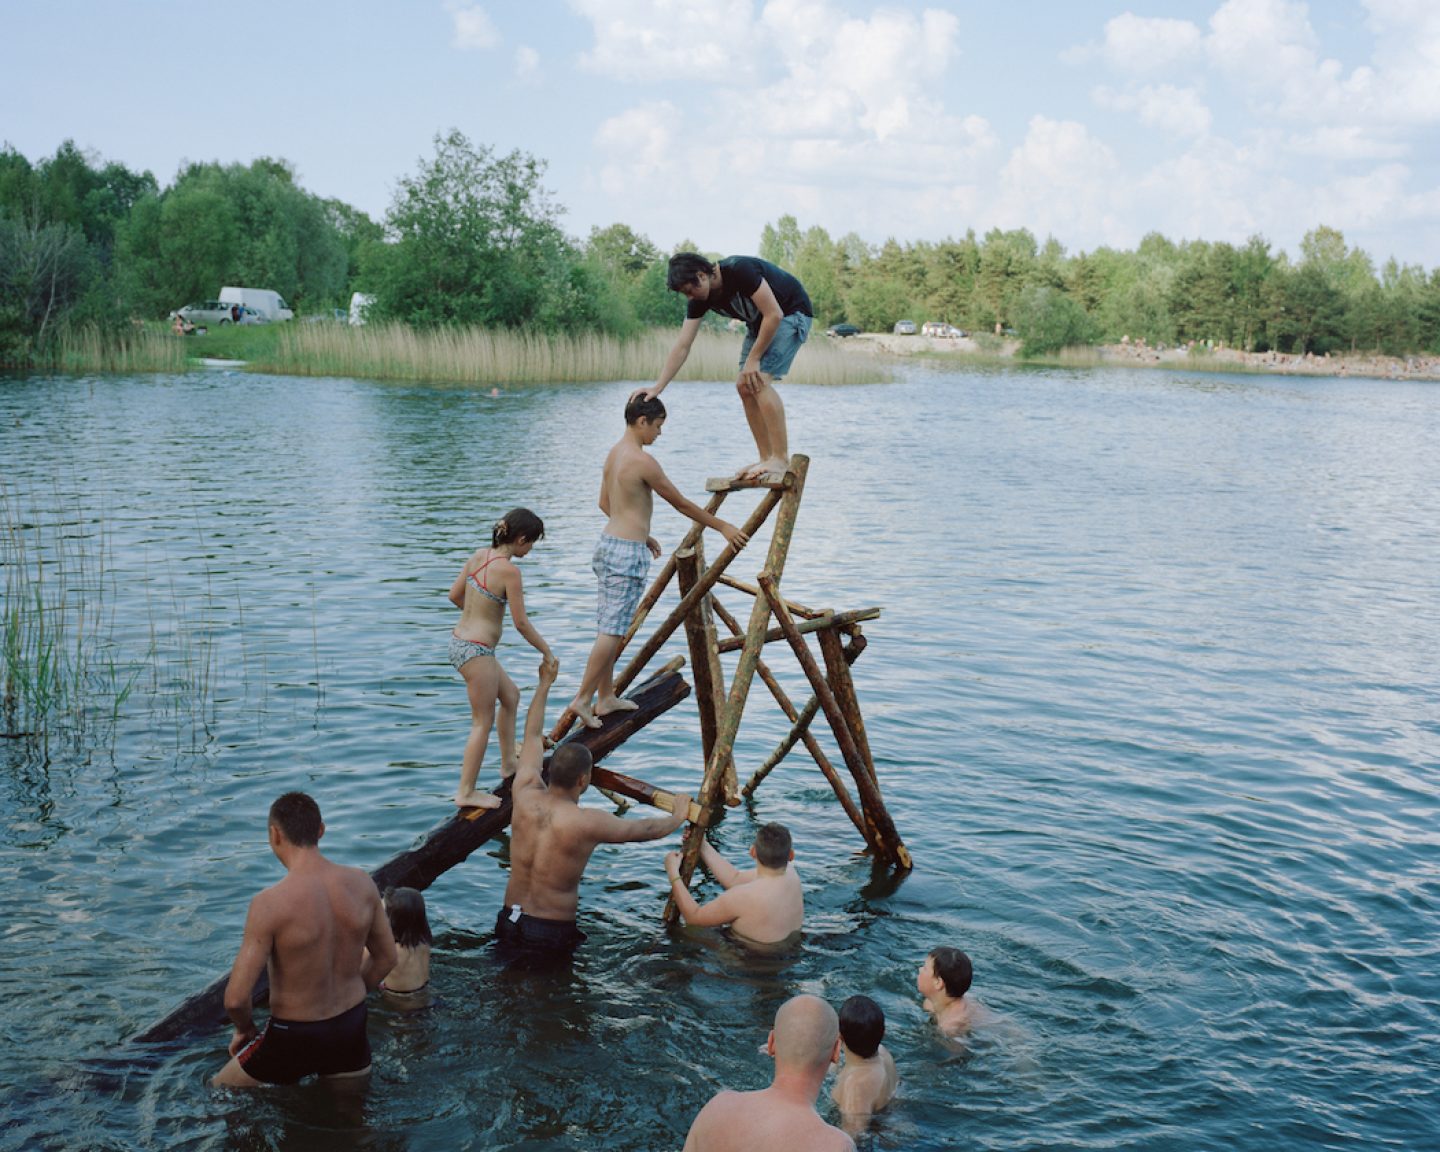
[1248, 297]
[474, 238]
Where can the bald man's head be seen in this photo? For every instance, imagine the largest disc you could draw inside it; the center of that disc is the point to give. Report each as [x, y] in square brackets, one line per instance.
[806, 1029]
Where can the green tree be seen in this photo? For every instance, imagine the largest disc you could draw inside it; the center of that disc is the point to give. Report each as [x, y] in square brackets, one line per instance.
[1049, 320]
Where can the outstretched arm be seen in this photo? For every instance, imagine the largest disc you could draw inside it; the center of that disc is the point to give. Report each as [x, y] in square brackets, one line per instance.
[532, 750]
[676, 360]
[655, 476]
[607, 828]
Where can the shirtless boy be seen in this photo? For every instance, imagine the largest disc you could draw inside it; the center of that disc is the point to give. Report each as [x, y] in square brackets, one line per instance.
[552, 837]
[622, 558]
[777, 315]
[867, 1081]
[764, 905]
[944, 979]
[781, 1118]
[324, 936]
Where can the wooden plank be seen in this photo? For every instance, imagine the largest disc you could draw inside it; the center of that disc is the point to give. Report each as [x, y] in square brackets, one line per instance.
[446, 845]
[842, 684]
[883, 838]
[795, 609]
[775, 481]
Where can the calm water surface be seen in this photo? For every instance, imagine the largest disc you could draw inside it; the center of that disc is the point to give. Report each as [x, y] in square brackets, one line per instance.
[1154, 700]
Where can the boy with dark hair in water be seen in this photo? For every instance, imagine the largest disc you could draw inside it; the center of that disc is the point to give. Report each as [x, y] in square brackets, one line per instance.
[868, 1079]
[944, 979]
[777, 314]
[764, 905]
[622, 558]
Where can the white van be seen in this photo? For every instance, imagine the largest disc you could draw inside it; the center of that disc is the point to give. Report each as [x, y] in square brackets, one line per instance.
[269, 304]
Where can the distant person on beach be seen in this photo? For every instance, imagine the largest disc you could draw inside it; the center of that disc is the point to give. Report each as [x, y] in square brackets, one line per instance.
[552, 837]
[408, 982]
[867, 1080]
[777, 315]
[781, 1118]
[488, 582]
[323, 936]
[764, 904]
[944, 980]
[622, 558]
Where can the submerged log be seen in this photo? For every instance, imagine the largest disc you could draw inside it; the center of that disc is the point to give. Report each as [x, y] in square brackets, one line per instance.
[448, 844]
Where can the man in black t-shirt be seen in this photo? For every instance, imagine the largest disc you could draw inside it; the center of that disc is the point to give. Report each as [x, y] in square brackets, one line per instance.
[777, 312]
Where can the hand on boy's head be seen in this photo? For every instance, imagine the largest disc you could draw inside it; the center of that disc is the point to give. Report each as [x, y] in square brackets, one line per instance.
[638, 394]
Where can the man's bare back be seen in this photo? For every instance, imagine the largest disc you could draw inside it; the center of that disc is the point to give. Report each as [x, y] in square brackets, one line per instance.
[764, 905]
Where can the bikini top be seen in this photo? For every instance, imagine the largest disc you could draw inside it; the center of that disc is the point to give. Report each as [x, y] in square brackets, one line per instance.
[480, 585]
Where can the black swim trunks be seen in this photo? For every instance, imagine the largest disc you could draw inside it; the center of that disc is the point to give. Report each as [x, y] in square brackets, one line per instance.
[289, 1050]
[517, 929]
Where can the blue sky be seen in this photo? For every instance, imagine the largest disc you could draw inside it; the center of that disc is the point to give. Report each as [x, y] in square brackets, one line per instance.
[1091, 121]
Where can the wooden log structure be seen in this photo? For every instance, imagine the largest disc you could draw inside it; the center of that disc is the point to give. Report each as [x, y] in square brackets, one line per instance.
[454, 839]
[713, 783]
[705, 662]
[841, 620]
[882, 836]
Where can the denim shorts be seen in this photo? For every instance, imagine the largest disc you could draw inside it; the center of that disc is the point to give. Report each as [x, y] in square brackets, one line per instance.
[793, 332]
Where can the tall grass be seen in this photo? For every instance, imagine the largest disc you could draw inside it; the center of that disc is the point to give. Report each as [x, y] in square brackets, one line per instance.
[64, 670]
[486, 356]
[145, 349]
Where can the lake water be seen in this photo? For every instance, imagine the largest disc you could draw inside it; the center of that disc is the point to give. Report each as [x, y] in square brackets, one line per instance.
[1153, 701]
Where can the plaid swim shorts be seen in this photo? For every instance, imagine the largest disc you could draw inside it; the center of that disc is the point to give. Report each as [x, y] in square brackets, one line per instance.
[621, 567]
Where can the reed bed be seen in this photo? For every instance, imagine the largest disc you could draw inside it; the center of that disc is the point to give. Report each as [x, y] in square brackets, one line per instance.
[65, 672]
[94, 349]
[486, 356]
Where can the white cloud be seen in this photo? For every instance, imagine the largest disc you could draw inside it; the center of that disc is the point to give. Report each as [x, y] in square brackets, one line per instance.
[662, 40]
[639, 147]
[1064, 182]
[1345, 142]
[1175, 111]
[1143, 44]
[1363, 200]
[473, 27]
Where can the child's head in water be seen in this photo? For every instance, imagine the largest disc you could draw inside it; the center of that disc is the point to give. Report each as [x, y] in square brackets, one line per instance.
[520, 529]
[405, 909]
[862, 1026]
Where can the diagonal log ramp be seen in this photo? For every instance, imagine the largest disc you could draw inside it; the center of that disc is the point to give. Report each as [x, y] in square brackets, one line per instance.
[450, 842]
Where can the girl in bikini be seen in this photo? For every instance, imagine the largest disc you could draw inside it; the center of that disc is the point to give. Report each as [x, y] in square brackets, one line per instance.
[486, 585]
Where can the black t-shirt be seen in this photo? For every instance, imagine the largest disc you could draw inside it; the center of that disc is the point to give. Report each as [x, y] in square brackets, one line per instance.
[740, 278]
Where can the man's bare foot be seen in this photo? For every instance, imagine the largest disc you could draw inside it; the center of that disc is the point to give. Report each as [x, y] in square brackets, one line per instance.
[770, 464]
[477, 800]
[609, 704]
[587, 717]
[748, 471]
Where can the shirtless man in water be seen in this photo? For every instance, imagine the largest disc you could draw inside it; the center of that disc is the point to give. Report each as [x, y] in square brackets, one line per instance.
[781, 1118]
[622, 558]
[764, 905]
[552, 837]
[323, 934]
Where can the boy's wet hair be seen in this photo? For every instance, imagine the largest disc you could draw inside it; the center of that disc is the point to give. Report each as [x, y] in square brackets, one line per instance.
[517, 524]
[405, 909]
[686, 268]
[647, 406]
[569, 764]
[862, 1025]
[772, 845]
[954, 969]
[298, 818]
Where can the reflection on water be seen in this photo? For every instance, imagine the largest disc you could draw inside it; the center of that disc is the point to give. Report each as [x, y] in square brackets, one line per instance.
[1152, 700]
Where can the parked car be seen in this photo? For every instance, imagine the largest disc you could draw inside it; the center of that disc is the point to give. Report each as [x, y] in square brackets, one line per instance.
[937, 328]
[843, 330]
[206, 312]
[905, 327]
